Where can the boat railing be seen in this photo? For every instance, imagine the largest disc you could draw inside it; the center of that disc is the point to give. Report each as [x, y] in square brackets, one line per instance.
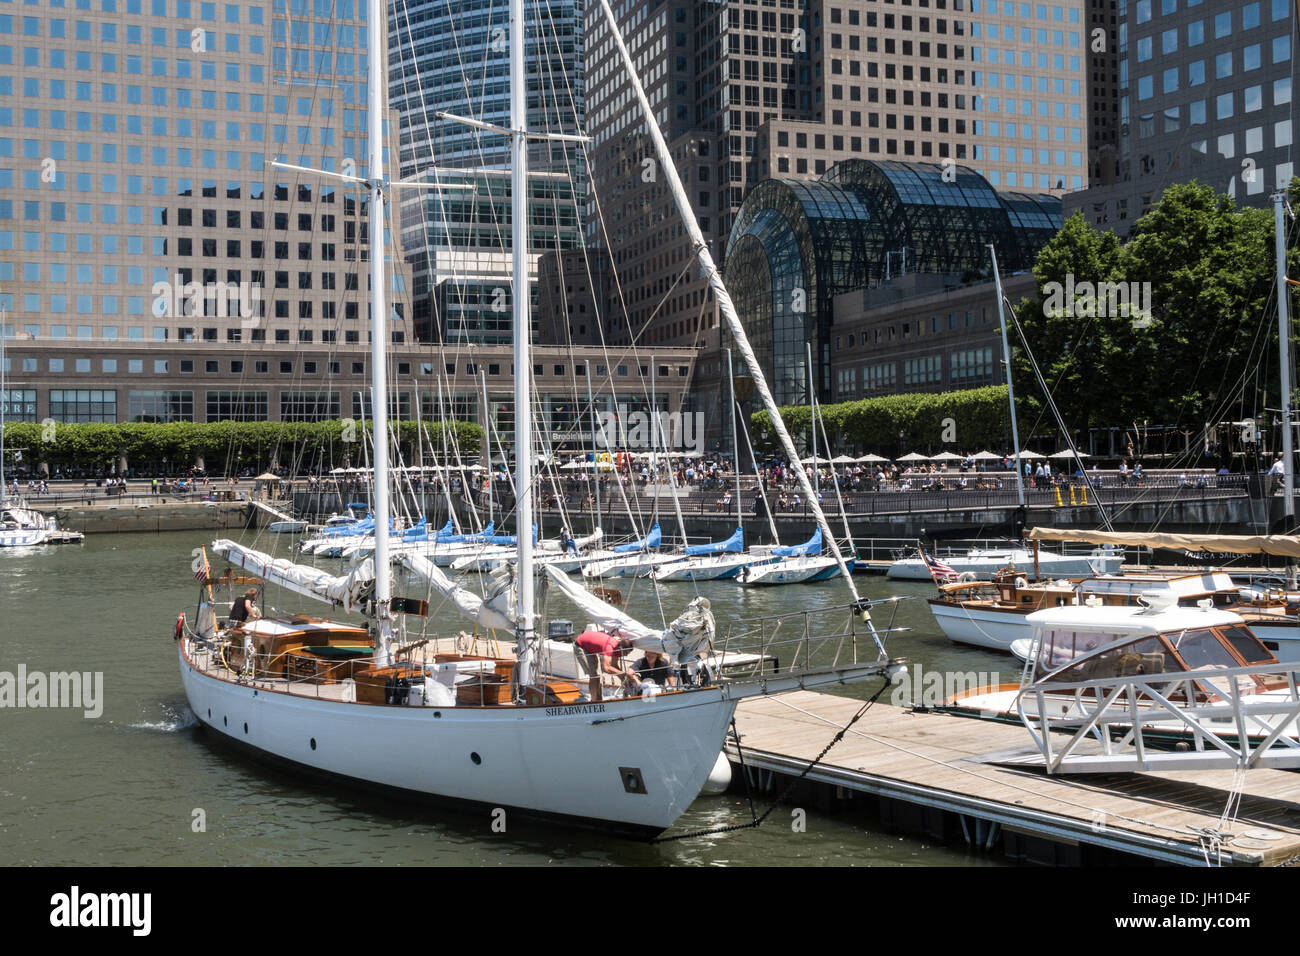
[1212, 718]
[825, 638]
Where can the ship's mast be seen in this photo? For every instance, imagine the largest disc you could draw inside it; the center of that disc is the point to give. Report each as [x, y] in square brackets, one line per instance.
[376, 81]
[520, 300]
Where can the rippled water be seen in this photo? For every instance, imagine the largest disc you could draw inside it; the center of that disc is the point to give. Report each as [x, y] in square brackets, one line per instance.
[128, 786]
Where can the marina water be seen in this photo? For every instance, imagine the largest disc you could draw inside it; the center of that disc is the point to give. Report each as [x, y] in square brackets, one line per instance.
[139, 784]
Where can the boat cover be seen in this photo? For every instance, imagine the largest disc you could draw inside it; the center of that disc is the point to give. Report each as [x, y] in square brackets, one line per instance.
[812, 546]
[735, 543]
[647, 543]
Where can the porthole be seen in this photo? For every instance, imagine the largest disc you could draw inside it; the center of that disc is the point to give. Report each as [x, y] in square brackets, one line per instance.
[313, 743]
[245, 727]
[437, 714]
[476, 759]
[209, 713]
[225, 721]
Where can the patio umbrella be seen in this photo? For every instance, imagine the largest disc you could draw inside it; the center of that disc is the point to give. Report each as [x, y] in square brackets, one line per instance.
[947, 456]
[986, 456]
[1030, 454]
[843, 460]
[1070, 454]
[875, 459]
[913, 456]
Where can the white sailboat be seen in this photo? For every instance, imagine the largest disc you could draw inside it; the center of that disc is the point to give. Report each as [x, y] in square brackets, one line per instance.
[336, 700]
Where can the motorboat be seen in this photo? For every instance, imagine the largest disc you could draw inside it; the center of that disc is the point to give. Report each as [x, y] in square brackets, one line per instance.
[983, 563]
[1125, 678]
[994, 614]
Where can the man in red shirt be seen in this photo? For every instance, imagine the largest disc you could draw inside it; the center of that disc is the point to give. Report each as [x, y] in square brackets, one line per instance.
[609, 650]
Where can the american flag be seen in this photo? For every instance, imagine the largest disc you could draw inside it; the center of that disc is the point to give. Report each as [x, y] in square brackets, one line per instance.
[939, 571]
[201, 573]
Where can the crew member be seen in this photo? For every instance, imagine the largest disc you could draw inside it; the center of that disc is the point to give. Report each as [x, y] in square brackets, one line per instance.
[609, 651]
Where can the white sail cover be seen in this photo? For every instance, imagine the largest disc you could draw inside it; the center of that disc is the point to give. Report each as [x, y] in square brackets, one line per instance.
[685, 638]
[496, 611]
[344, 591]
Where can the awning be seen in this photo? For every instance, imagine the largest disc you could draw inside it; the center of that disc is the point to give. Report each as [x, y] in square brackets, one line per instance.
[1287, 546]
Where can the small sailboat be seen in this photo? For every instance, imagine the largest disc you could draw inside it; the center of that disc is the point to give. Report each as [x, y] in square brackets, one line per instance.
[798, 563]
[710, 562]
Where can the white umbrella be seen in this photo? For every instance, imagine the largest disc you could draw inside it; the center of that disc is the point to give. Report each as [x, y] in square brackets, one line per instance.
[1070, 454]
[986, 456]
[914, 457]
[814, 461]
[1030, 454]
[843, 460]
[872, 458]
[947, 456]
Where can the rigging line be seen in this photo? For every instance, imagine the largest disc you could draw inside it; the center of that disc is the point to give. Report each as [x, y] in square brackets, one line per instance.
[790, 785]
[1060, 421]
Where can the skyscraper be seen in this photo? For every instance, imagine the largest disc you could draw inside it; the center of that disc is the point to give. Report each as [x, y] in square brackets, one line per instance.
[453, 57]
[147, 245]
[1205, 93]
[747, 92]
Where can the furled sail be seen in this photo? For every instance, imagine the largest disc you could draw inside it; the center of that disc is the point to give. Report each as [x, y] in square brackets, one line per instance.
[346, 591]
[812, 546]
[496, 611]
[735, 543]
[647, 543]
[687, 637]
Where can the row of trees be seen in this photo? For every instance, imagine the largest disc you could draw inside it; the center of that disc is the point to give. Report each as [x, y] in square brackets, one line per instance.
[970, 419]
[224, 446]
[1200, 345]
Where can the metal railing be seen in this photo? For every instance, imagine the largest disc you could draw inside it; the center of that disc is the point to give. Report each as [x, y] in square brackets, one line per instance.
[804, 640]
[1214, 718]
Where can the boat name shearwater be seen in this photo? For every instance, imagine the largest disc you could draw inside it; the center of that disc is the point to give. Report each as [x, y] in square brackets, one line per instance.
[575, 709]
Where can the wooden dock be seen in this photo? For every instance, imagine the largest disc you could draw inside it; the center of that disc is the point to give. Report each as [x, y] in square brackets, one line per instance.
[940, 777]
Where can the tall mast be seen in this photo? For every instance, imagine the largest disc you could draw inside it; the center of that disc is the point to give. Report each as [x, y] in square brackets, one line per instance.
[595, 447]
[1284, 359]
[1011, 394]
[726, 307]
[812, 420]
[376, 105]
[487, 440]
[523, 344]
[735, 438]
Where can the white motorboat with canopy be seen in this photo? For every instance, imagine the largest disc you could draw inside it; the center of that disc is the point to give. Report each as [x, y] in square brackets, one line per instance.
[1127, 681]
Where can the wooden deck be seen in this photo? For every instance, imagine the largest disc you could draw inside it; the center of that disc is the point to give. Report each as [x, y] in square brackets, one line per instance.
[950, 764]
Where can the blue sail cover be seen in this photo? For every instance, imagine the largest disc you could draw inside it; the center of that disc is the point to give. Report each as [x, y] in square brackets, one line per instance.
[735, 543]
[508, 539]
[416, 532]
[812, 546]
[645, 544]
[347, 530]
[466, 538]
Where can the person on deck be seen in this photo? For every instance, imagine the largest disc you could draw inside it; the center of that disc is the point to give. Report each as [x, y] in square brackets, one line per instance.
[609, 651]
[243, 609]
[654, 667]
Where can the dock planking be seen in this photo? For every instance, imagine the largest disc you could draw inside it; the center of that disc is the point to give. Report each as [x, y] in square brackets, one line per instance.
[950, 763]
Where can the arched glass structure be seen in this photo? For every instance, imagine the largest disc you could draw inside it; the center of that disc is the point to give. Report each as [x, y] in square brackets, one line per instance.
[796, 244]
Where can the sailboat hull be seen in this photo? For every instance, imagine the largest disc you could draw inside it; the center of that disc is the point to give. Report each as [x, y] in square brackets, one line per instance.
[630, 765]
